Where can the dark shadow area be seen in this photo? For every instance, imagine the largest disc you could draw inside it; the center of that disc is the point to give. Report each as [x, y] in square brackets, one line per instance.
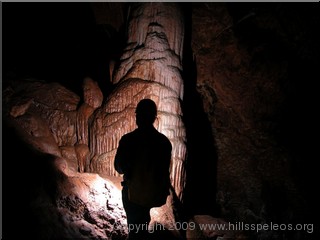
[201, 163]
[58, 42]
[29, 188]
[296, 120]
[297, 130]
[160, 233]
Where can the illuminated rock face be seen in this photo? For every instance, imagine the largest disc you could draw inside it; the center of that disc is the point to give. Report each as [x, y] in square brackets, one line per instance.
[150, 68]
[92, 99]
[44, 114]
[47, 116]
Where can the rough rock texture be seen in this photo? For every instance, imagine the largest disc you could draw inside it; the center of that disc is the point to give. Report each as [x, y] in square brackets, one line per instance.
[49, 112]
[208, 227]
[149, 68]
[245, 76]
[69, 204]
[91, 206]
[54, 200]
[50, 102]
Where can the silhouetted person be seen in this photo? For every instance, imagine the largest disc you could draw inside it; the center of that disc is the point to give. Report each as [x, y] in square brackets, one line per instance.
[143, 156]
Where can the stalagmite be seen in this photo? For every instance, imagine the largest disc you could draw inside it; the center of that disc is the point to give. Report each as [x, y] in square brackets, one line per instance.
[82, 153]
[150, 68]
[92, 99]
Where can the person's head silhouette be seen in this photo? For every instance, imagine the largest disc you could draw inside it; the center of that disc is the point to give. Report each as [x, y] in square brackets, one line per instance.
[146, 113]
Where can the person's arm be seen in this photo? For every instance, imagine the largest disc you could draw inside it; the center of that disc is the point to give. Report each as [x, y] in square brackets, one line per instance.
[166, 161]
[119, 160]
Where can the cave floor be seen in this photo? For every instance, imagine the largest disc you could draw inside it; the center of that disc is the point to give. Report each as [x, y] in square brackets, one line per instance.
[115, 180]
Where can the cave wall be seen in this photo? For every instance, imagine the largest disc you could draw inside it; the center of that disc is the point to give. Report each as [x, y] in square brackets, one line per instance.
[254, 74]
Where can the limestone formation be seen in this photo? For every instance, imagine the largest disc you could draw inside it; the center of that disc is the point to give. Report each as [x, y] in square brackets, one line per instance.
[83, 154]
[50, 103]
[71, 204]
[92, 100]
[150, 68]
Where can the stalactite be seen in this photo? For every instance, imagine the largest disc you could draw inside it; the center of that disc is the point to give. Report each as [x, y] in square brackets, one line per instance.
[149, 68]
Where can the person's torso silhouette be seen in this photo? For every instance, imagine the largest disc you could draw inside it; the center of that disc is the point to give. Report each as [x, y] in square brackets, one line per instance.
[144, 156]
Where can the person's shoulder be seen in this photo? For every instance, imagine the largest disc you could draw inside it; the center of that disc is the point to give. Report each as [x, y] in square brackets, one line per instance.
[164, 138]
[129, 135]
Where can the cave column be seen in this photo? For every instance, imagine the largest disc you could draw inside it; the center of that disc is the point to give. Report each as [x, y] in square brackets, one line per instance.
[150, 67]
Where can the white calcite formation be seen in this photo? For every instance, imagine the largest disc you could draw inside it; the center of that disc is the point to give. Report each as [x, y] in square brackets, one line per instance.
[150, 68]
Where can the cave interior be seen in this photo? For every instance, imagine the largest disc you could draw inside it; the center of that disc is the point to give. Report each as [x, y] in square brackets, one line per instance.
[245, 121]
